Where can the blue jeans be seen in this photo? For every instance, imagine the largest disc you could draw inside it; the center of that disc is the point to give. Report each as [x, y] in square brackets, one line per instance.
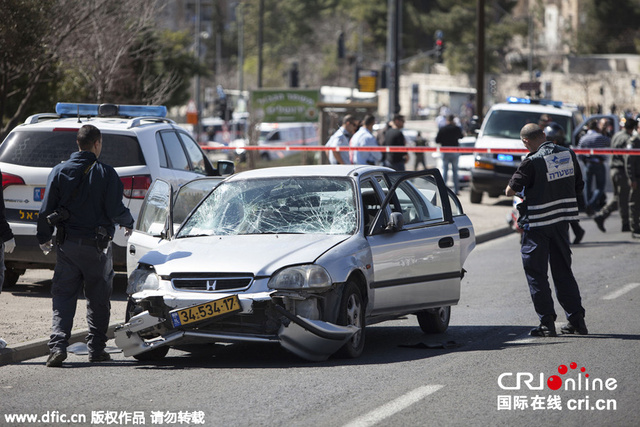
[81, 266]
[451, 158]
[597, 172]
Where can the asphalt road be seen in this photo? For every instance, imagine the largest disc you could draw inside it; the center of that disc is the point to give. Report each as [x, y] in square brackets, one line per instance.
[403, 378]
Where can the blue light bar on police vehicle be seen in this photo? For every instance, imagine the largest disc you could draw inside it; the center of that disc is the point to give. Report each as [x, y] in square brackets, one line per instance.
[72, 109]
[517, 100]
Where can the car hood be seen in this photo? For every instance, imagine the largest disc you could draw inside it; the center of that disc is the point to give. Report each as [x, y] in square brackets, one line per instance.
[496, 142]
[260, 255]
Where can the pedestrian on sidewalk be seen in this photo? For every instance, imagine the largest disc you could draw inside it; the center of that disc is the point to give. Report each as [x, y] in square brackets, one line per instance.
[632, 165]
[550, 178]
[364, 138]
[619, 178]
[341, 139]
[449, 136]
[595, 168]
[8, 245]
[394, 137]
[83, 200]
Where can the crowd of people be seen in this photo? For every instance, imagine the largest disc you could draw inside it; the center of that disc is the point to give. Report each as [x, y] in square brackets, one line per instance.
[361, 133]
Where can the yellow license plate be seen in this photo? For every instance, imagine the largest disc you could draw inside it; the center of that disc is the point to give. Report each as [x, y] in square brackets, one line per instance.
[205, 311]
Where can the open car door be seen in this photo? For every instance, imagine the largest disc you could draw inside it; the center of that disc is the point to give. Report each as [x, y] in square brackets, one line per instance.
[415, 244]
[162, 213]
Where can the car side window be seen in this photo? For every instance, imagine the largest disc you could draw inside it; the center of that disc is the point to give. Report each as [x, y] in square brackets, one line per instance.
[420, 201]
[370, 204]
[155, 209]
[195, 155]
[162, 155]
[176, 157]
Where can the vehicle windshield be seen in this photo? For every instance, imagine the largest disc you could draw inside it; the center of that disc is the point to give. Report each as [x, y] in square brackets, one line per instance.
[507, 124]
[45, 149]
[283, 205]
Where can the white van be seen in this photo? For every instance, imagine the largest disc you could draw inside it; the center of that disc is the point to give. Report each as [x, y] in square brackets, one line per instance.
[286, 134]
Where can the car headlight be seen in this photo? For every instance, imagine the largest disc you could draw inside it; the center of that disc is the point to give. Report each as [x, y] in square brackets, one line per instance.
[307, 277]
[143, 279]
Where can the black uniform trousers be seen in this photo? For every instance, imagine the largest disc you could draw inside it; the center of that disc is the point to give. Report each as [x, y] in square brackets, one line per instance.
[544, 246]
[80, 264]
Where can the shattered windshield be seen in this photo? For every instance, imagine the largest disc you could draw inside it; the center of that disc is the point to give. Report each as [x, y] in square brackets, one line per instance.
[283, 205]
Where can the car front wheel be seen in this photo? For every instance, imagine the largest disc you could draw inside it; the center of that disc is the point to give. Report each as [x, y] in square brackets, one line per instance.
[147, 356]
[352, 309]
[435, 320]
[11, 277]
[475, 196]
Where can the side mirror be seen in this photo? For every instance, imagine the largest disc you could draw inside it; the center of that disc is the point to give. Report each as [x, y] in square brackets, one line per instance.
[396, 222]
[225, 167]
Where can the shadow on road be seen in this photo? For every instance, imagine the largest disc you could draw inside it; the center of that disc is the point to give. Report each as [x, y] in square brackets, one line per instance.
[385, 345]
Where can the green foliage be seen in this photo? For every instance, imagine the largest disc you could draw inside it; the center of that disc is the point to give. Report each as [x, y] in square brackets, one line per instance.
[610, 27]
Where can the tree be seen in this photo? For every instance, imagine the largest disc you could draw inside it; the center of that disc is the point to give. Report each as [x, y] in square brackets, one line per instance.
[81, 51]
[609, 27]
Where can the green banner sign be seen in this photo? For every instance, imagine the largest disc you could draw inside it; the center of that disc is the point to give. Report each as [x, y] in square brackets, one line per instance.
[285, 105]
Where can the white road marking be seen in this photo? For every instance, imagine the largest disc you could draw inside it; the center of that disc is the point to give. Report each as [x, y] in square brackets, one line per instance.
[621, 291]
[393, 407]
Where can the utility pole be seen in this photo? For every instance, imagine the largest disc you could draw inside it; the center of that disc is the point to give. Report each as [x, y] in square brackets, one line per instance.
[394, 20]
[480, 59]
[240, 16]
[197, 88]
[260, 41]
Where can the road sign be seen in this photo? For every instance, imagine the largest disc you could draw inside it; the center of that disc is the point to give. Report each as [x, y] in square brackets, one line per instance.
[367, 80]
[529, 86]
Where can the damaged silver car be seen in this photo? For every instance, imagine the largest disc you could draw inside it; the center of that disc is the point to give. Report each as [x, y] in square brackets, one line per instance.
[304, 256]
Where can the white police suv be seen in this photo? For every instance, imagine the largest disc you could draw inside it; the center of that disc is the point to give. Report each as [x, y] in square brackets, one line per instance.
[501, 130]
[138, 141]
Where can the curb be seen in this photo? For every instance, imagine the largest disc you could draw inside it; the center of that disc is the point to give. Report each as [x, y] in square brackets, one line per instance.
[39, 348]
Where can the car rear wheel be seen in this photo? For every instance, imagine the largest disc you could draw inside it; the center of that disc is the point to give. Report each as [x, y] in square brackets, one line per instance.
[435, 320]
[11, 277]
[352, 309]
[147, 356]
[475, 196]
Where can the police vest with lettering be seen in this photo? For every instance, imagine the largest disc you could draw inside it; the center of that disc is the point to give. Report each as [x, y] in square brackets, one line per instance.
[552, 197]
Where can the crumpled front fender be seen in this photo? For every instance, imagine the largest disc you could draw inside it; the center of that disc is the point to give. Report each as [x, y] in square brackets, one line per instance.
[313, 340]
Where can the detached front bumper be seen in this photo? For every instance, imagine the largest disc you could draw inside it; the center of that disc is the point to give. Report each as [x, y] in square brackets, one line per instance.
[313, 340]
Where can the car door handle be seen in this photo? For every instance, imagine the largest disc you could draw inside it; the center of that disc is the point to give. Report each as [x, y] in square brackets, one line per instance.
[446, 242]
[465, 233]
[132, 249]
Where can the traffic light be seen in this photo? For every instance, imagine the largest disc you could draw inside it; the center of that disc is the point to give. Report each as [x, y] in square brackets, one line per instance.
[341, 51]
[439, 45]
[294, 75]
[221, 108]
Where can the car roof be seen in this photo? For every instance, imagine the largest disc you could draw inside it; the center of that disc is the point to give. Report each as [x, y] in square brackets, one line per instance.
[102, 123]
[309, 170]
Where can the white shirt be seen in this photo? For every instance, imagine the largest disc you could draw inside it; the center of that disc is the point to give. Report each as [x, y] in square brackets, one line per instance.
[364, 138]
[339, 139]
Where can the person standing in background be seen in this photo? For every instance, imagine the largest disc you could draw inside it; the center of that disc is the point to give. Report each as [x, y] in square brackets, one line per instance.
[394, 137]
[449, 136]
[341, 139]
[8, 245]
[595, 166]
[619, 179]
[364, 138]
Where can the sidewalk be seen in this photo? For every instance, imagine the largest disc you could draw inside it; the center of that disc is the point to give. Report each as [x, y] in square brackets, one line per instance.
[25, 309]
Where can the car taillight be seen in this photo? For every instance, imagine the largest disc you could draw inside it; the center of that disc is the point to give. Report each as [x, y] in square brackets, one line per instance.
[135, 187]
[9, 179]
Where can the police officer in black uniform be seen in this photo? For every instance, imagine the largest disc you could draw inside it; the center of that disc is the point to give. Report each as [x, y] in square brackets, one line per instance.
[550, 177]
[554, 132]
[83, 200]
